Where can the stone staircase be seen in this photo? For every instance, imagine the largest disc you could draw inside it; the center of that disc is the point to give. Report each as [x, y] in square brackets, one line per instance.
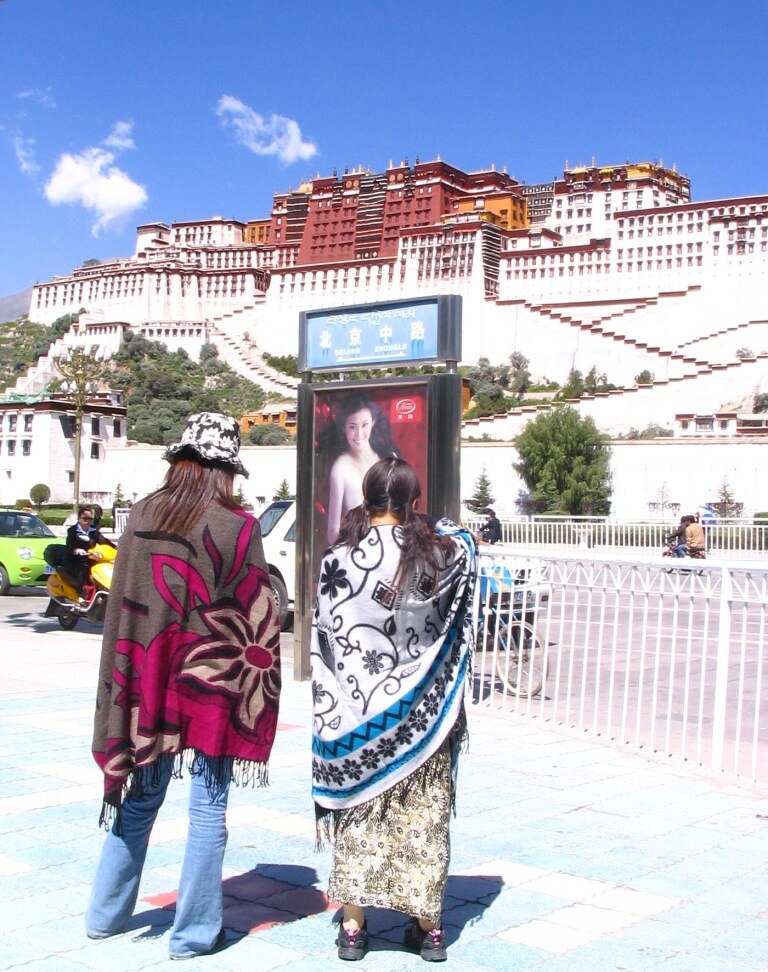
[247, 360]
[708, 390]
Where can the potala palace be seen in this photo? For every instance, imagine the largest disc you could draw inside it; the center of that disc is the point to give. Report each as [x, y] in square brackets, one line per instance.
[608, 266]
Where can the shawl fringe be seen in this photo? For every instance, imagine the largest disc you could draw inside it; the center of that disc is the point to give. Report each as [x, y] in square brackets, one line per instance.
[217, 771]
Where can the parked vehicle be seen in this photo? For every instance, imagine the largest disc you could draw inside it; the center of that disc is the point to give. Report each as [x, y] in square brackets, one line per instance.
[23, 538]
[69, 607]
[278, 532]
[512, 595]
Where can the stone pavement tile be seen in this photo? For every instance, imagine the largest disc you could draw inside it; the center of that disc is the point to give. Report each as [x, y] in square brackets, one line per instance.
[548, 936]
[60, 934]
[312, 934]
[122, 953]
[33, 882]
[60, 964]
[26, 913]
[18, 950]
[572, 887]
[251, 954]
[472, 922]
[632, 901]
[11, 863]
[706, 920]
[739, 896]
[614, 953]
[611, 867]
[590, 918]
[493, 954]
[686, 962]
[66, 901]
[52, 854]
[511, 872]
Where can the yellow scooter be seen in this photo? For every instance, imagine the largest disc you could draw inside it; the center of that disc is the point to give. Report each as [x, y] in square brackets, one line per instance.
[66, 605]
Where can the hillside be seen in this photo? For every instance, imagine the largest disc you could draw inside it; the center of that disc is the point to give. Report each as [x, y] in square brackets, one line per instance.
[15, 306]
[161, 388]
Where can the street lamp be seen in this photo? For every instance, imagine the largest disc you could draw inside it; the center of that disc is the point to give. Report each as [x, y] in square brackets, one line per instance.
[80, 370]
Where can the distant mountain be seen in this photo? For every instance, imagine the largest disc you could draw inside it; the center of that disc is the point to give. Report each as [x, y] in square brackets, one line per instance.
[15, 306]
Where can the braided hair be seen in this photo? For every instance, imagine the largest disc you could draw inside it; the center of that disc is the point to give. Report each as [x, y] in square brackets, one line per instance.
[392, 486]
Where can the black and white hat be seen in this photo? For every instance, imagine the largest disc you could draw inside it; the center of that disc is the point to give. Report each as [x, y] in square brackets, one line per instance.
[213, 437]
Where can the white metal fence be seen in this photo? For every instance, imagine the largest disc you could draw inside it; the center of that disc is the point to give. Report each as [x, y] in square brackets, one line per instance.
[728, 538]
[669, 657]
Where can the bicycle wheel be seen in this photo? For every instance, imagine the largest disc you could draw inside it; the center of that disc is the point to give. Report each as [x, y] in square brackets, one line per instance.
[523, 668]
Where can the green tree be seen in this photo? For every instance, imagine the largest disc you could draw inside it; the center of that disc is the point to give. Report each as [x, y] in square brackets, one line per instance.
[565, 464]
[519, 374]
[39, 494]
[482, 497]
[727, 505]
[644, 378]
[574, 385]
[761, 403]
[283, 491]
[264, 435]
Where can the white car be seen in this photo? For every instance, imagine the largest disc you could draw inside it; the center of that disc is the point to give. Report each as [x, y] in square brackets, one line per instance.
[278, 533]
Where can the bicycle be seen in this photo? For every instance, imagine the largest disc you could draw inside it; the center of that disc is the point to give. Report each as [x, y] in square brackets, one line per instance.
[506, 626]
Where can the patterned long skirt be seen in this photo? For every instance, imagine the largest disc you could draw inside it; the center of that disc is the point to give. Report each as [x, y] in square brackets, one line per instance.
[394, 851]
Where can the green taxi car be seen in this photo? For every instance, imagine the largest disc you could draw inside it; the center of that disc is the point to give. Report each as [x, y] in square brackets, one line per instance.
[23, 538]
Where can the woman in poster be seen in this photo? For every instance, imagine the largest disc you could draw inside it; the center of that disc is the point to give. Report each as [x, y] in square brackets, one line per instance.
[366, 437]
[391, 653]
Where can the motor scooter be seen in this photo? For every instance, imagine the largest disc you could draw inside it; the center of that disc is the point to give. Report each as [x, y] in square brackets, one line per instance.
[69, 607]
[669, 551]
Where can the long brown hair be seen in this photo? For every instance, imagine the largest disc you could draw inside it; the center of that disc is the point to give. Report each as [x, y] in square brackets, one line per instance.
[392, 486]
[190, 487]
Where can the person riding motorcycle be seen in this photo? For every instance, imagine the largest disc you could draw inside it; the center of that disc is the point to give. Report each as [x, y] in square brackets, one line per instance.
[81, 537]
[690, 539]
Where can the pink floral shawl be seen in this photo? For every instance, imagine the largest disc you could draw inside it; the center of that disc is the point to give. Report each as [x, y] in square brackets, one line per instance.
[191, 653]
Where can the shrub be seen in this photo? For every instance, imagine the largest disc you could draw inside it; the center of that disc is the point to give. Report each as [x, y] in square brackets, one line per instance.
[39, 494]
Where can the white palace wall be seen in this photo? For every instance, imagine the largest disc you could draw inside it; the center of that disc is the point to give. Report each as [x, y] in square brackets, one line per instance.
[689, 472]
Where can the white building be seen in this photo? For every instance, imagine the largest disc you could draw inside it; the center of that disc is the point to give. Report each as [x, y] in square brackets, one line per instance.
[613, 267]
[37, 445]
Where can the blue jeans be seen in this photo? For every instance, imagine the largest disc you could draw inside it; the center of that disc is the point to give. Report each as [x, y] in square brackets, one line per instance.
[199, 907]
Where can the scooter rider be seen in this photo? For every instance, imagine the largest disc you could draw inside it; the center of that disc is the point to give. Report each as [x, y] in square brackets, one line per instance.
[690, 538]
[81, 536]
[678, 535]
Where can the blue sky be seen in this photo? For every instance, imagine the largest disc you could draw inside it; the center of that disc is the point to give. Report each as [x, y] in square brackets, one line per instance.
[114, 113]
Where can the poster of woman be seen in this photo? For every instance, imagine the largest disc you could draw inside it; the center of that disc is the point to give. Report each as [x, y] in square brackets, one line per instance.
[353, 429]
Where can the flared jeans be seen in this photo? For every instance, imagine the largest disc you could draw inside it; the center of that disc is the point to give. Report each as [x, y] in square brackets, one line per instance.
[199, 906]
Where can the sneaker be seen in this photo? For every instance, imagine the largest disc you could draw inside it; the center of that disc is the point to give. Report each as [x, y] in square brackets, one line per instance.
[353, 944]
[430, 945]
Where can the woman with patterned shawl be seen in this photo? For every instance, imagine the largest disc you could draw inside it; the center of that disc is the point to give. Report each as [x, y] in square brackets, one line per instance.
[190, 675]
[391, 657]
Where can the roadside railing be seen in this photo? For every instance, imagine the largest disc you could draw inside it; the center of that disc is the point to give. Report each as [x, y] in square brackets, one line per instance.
[731, 538]
[668, 657]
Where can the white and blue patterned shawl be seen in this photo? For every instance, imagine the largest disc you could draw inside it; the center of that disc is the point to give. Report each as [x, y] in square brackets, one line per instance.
[389, 671]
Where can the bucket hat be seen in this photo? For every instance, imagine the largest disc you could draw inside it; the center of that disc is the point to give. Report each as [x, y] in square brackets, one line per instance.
[213, 437]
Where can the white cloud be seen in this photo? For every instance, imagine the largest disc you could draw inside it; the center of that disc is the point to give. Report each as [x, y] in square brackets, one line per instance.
[120, 136]
[91, 179]
[42, 96]
[275, 135]
[25, 154]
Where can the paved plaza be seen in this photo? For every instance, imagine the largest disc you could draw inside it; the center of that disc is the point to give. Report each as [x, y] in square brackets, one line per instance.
[567, 854]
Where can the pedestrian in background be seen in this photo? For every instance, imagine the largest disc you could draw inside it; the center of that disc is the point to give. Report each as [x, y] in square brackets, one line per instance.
[190, 676]
[490, 532]
[391, 647]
